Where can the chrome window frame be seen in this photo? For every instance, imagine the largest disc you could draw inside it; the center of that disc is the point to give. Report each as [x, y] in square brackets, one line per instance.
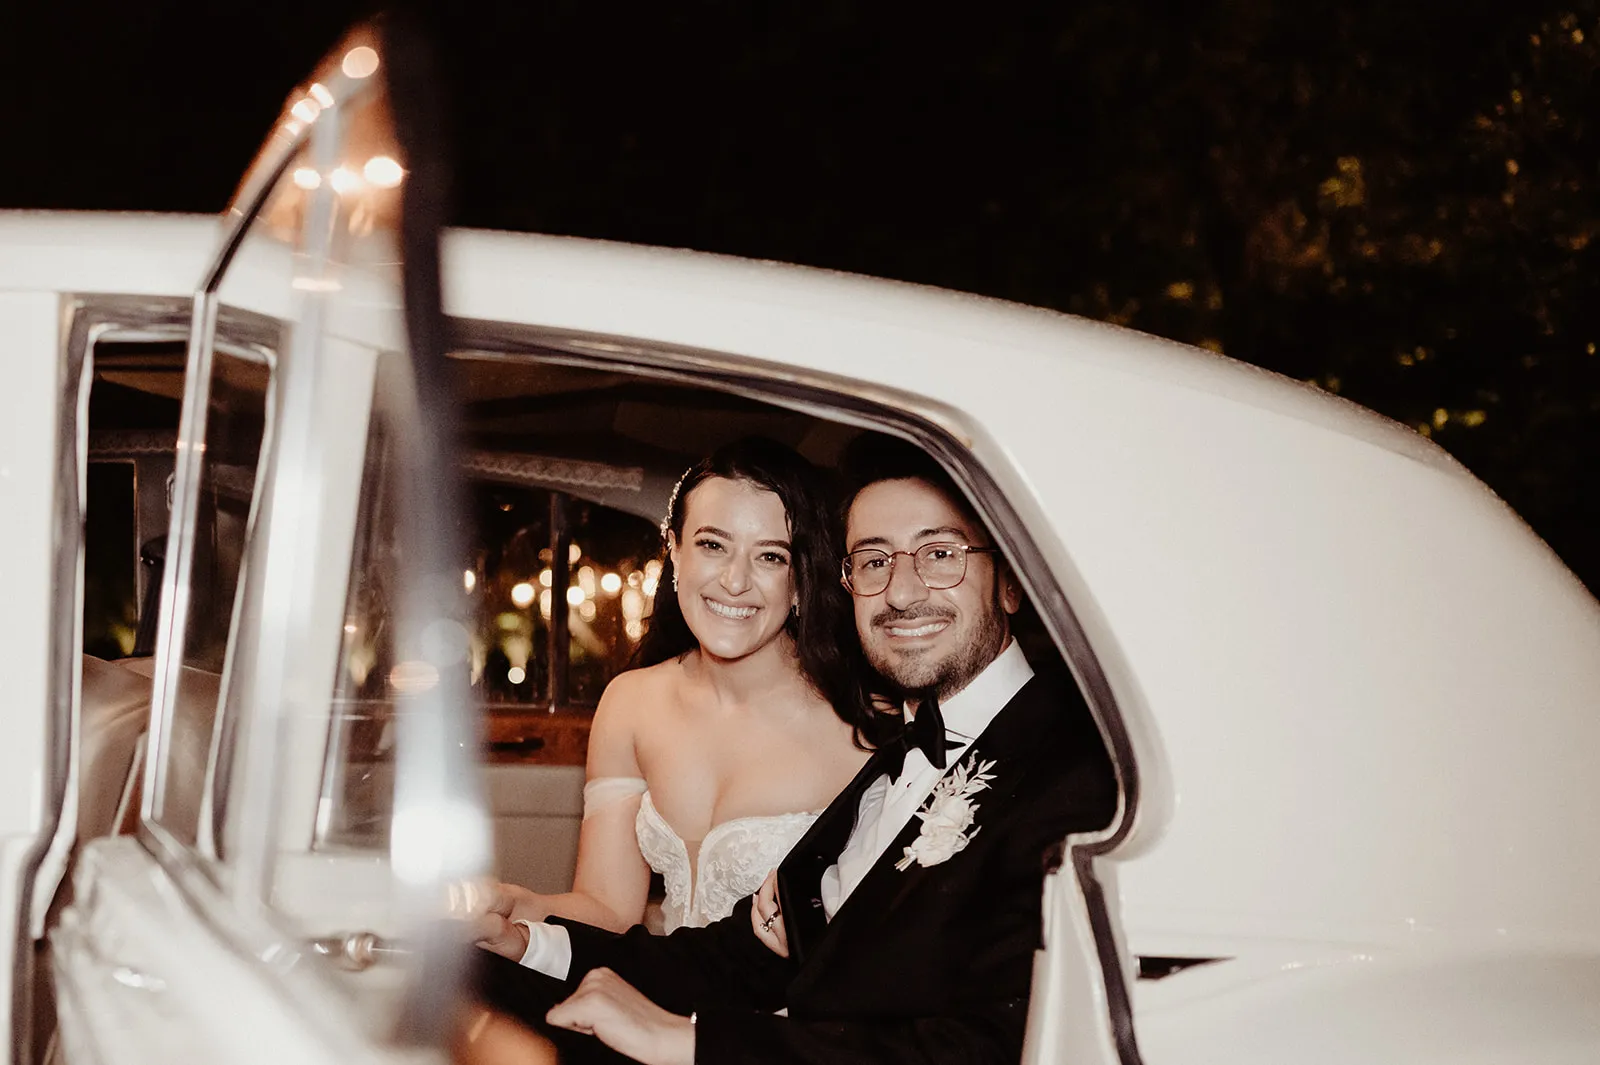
[240, 922]
[87, 319]
[239, 912]
[95, 318]
[206, 310]
[956, 441]
[254, 933]
[180, 563]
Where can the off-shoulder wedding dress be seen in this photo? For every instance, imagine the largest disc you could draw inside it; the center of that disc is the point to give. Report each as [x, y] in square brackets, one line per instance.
[703, 882]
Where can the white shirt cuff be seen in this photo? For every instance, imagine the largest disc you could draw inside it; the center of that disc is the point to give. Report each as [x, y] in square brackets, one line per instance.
[549, 949]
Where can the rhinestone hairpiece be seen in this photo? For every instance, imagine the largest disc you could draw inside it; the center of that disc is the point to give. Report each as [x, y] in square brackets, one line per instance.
[672, 502]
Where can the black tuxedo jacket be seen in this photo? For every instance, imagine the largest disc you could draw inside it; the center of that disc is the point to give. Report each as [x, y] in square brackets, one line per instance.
[929, 964]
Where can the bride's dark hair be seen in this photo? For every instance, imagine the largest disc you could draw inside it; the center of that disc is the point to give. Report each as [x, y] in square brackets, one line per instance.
[824, 629]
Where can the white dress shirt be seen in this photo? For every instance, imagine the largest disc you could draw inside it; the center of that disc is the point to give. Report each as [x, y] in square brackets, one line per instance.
[885, 807]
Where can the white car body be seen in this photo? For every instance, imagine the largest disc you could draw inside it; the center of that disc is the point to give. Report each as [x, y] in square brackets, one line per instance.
[1354, 699]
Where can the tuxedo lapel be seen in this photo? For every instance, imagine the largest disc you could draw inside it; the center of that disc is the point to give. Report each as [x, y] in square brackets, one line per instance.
[800, 874]
[1007, 741]
[885, 885]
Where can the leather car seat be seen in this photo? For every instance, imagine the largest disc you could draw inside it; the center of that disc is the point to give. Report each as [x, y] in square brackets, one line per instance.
[114, 714]
[189, 739]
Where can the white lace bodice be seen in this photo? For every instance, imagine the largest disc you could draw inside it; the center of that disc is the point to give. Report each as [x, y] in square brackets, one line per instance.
[733, 860]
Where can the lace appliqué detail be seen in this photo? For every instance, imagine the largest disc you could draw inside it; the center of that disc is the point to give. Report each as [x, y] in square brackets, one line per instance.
[735, 857]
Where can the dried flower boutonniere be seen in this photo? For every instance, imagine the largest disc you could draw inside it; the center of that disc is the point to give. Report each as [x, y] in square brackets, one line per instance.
[948, 815]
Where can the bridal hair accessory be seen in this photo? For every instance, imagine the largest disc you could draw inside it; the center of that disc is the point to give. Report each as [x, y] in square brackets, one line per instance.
[948, 815]
[672, 504]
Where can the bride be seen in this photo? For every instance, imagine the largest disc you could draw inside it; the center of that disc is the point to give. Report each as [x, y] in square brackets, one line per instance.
[744, 719]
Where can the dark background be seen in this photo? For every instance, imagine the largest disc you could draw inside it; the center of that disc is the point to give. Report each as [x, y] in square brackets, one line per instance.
[1396, 201]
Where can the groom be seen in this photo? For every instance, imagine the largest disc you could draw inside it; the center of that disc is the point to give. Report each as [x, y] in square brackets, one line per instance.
[908, 938]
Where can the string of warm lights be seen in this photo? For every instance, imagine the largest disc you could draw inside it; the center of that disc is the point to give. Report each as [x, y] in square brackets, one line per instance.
[633, 592]
[635, 589]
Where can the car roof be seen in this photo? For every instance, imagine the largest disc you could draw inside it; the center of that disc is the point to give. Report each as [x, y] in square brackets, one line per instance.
[538, 279]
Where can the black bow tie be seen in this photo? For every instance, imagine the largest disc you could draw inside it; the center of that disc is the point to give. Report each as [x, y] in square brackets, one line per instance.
[924, 732]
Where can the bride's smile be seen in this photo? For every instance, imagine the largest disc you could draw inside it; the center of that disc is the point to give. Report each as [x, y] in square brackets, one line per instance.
[731, 613]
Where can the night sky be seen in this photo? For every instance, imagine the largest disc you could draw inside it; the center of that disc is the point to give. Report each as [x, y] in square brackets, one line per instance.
[1395, 201]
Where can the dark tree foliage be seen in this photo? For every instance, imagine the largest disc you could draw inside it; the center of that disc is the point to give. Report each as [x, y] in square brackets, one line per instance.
[1394, 199]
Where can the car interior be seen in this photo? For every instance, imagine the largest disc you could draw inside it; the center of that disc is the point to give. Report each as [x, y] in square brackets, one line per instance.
[568, 474]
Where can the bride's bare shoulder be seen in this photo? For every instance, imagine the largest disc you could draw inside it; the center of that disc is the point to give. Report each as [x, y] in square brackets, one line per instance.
[640, 689]
[627, 719]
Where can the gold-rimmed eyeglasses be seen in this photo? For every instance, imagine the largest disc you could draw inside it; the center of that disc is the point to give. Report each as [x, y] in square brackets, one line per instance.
[869, 570]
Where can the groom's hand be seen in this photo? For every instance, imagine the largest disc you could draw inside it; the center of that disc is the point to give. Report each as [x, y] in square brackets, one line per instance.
[609, 1008]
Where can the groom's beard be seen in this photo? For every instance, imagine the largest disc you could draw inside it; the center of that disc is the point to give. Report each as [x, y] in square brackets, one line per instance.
[973, 651]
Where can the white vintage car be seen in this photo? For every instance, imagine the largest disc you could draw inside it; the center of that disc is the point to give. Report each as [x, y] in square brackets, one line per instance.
[1353, 701]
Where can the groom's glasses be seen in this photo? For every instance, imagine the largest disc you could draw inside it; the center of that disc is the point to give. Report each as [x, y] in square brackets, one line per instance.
[868, 571]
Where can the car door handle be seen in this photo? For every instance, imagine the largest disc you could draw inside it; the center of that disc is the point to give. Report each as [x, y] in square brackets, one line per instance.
[357, 951]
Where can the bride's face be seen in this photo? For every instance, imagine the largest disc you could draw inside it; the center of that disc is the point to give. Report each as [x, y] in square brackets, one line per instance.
[735, 569]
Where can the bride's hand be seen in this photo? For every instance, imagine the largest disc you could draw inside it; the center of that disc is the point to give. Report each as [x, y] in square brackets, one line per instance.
[492, 911]
[496, 934]
[766, 919]
[520, 904]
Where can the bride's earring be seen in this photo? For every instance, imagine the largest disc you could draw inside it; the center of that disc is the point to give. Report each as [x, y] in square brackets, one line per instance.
[674, 580]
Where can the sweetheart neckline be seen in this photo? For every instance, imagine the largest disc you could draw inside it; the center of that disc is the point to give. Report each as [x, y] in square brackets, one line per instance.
[701, 845]
[694, 899]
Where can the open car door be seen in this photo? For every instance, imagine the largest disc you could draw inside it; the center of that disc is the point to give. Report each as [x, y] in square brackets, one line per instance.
[310, 796]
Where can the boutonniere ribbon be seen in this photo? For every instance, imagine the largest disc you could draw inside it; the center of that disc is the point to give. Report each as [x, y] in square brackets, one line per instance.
[948, 815]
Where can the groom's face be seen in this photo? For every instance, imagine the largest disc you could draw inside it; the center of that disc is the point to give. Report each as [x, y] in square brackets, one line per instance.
[921, 637]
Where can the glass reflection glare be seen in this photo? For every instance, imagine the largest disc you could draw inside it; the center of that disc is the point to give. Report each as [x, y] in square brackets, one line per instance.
[344, 180]
[413, 676]
[360, 62]
[415, 852]
[383, 172]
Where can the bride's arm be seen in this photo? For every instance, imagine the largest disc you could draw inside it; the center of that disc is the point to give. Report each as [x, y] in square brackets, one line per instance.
[612, 880]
